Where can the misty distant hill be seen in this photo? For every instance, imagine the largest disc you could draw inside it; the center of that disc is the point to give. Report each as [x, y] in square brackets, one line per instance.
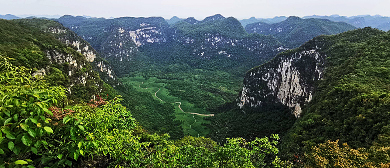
[295, 31]
[361, 21]
[9, 17]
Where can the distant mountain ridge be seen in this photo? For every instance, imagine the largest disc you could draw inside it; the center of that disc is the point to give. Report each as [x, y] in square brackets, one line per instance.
[294, 31]
[360, 21]
[251, 20]
[121, 39]
[9, 17]
[173, 20]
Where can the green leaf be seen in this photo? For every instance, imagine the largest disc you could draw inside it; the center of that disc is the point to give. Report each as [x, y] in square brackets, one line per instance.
[7, 113]
[26, 140]
[24, 126]
[47, 120]
[81, 127]
[32, 132]
[10, 136]
[66, 119]
[79, 144]
[48, 129]
[72, 133]
[36, 95]
[11, 145]
[75, 155]
[35, 121]
[68, 162]
[34, 150]
[16, 117]
[47, 111]
[59, 156]
[7, 121]
[1, 151]
[20, 162]
[44, 142]
[81, 152]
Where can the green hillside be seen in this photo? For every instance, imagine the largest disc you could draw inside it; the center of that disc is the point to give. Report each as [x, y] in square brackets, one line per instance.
[351, 104]
[34, 49]
[229, 27]
[295, 31]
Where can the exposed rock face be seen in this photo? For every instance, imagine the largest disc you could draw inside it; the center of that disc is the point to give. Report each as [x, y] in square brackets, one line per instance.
[288, 79]
[217, 45]
[75, 65]
[118, 40]
[71, 39]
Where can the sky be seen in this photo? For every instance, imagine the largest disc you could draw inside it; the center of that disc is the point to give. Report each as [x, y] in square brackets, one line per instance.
[199, 9]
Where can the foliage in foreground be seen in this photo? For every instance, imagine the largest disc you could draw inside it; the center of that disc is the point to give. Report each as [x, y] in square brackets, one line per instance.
[38, 131]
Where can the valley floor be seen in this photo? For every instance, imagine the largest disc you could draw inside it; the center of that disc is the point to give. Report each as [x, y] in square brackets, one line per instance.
[191, 117]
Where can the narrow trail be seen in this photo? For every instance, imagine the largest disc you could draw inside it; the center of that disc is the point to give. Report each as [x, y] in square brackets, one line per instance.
[206, 115]
[155, 94]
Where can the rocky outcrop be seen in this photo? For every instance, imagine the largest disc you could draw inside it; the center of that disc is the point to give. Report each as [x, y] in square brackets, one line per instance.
[71, 39]
[288, 79]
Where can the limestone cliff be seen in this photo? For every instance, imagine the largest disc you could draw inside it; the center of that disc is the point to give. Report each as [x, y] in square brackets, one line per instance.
[287, 79]
[71, 39]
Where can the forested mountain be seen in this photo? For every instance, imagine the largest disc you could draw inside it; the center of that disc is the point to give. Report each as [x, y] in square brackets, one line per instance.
[60, 62]
[361, 21]
[122, 38]
[8, 17]
[251, 20]
[341, 84]
[70, 38]
[295, 31]
[117, 39]
[174, 20]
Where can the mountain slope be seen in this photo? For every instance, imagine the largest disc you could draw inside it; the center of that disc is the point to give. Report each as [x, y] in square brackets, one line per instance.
[71, 39]
[352, 99]
[117, 40]
[295, 31]
[341, 82]
[60, 64]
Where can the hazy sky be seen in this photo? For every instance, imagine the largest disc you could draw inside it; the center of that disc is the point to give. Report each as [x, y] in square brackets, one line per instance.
[196, 8]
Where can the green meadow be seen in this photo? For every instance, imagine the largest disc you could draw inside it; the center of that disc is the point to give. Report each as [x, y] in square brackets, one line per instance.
[192, 124]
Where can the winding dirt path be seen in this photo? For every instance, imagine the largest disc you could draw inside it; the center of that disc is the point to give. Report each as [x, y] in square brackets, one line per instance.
[206, 115]
[155, 94]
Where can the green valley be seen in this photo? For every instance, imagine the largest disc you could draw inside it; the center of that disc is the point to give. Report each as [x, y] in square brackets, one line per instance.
[80, 91]
[192, 124]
